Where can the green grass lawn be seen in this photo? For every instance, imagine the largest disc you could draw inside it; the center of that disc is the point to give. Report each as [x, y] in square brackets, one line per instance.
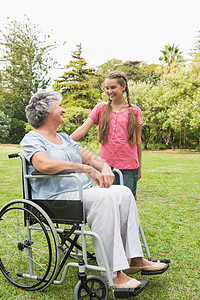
[169, 209]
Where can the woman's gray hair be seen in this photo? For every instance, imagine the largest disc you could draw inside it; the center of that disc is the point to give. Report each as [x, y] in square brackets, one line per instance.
[40, 105]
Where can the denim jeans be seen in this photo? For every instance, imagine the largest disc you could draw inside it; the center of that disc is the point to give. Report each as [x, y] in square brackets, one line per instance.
[130, 179]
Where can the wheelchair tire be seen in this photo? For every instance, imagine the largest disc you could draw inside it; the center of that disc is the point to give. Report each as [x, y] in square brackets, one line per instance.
[29, 245]
[97, 288]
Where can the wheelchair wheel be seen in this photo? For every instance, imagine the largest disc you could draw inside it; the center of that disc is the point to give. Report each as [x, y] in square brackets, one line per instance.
[29, 245]
[95, 287]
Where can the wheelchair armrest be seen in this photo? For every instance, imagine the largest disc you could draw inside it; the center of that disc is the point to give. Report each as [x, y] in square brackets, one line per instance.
[117, 171]
[65, 172]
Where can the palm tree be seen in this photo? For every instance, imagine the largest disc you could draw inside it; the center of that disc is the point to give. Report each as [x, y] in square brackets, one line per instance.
[171, 54]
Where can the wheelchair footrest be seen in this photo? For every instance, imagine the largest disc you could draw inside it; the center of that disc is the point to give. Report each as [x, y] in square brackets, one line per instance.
[166, 261]
[128, 293]
[157, 272]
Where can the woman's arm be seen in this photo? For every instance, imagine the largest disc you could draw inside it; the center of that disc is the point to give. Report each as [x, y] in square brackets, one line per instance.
[82, 130]
[92, 165]
[44, 164]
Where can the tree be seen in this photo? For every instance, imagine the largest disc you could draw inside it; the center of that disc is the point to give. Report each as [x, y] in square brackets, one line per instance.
[25, 58]
[75, 83]
[148, 98]
[171, 56]
[184, 115]
[103, 70]
[131, 69]
[171, 109]
[78, 91]
[196, 47]
[136, 71]
[110, 66]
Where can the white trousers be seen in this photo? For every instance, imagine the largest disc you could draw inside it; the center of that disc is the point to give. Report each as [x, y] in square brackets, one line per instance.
[112, 214]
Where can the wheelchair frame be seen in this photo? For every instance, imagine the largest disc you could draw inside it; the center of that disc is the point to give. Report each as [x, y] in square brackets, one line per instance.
[39, 216]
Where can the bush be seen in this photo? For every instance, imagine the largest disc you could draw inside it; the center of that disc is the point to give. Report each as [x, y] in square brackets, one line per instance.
[197, 148]
[157, 146]
[16, 133]
[5, 125]
[74, 118]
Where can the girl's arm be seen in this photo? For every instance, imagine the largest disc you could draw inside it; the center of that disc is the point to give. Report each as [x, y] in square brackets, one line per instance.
[139, 152]
[82, 130]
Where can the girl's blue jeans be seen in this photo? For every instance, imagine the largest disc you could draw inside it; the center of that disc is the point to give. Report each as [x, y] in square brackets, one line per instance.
[130, 179]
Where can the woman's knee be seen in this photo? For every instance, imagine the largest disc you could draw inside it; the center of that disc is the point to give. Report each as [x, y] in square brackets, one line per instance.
[100, 199]
[121, 191]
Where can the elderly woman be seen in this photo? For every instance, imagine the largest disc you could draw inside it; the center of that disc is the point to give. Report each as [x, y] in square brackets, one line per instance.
[110, 210]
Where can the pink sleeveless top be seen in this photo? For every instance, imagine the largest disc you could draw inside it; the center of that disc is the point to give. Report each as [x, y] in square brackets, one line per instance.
[117, 150]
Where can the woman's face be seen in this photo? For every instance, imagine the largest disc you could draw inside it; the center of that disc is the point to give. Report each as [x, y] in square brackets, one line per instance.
[57, 113]
[113, 89]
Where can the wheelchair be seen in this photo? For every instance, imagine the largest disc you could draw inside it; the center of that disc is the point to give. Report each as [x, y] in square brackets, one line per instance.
[34, 234]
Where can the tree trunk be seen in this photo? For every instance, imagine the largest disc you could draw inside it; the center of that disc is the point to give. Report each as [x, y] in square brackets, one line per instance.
[170, 138]
[180, 139]
[145, 136]
[184, 137]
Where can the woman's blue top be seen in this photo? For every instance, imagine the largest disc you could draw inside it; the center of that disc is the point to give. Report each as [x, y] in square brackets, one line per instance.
[51, 188]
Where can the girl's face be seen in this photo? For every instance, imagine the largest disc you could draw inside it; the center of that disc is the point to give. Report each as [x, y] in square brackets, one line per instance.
[113, 89]
[57, 113]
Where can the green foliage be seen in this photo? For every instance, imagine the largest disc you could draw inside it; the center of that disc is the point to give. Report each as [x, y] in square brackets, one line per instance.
[134, 70]
[156, 146]
[75, 117]
[75, 83]
[171, 56]
[28, 127]
[5, 123]
[16, 132]
[109, 66]
[149, 73]
[196, 47]
[183, 92]
[171, 109]
[79, 87]
[25, 57]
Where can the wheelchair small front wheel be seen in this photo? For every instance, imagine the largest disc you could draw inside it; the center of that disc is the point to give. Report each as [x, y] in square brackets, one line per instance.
[94, 287]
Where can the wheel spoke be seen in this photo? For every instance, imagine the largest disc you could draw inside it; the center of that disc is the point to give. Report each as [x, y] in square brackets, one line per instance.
[25, 252]
[97, 288]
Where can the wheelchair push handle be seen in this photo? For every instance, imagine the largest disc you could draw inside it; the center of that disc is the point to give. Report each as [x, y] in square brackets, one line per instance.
[13, 155]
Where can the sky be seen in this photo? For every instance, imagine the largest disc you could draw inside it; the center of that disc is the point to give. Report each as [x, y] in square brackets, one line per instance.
[107, 29]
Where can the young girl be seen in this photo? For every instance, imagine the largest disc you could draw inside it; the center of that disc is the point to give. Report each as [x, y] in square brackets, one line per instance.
[119, 130]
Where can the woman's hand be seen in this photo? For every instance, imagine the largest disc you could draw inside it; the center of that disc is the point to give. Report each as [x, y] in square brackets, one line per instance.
[104, 179]
[107, 174]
